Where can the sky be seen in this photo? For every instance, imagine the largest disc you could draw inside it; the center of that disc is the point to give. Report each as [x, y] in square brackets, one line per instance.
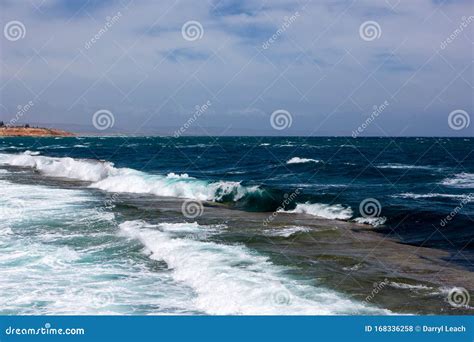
[228, 67]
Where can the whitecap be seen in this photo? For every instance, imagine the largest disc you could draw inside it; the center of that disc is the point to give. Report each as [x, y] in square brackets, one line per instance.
[396, 166]
[298, 160]
[461, 197]
[460, 180]
[103, 175]
[333, 212]
[373, 221]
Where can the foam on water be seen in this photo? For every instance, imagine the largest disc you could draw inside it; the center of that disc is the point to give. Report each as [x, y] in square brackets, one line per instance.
[467, 198]
[86, 170]
[228, 279]
[105, 176]
[405, 167]
[460, 180]
[335, 212]
[285, 231]
[54, 259]
[298, 160]
[373, 221]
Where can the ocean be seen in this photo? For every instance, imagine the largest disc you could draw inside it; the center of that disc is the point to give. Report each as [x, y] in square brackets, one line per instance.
[235, 225]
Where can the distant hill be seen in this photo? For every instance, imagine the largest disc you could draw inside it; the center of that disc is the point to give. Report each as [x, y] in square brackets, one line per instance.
[33, 132]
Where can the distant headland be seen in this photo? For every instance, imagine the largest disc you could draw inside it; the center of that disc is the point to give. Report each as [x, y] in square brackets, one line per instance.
[27, 131]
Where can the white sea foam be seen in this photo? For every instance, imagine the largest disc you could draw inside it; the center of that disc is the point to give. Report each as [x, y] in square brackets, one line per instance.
[138, 182]
[334, 212]
[404, 286]
[286, 231]
[228, 279]
[405, 166]
[460, 180]
[460, 197]
[298, 160]
[51, 262]
[105, 176]
[373, 221]
[86, 170]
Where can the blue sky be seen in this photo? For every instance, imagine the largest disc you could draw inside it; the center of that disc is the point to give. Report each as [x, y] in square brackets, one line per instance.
[318, 67]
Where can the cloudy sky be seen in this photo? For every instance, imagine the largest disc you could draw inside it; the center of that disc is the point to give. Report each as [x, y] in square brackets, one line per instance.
[325, 63]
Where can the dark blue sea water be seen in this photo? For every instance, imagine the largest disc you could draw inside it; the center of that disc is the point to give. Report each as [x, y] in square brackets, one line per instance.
[417, 181]
[417, 191]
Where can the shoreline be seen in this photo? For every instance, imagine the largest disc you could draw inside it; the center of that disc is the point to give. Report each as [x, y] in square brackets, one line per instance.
[313, 254]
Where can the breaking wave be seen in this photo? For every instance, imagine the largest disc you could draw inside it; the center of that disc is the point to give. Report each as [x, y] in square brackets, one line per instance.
[227, 279]
[103, 175]
[298, 160]
[334, 212]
